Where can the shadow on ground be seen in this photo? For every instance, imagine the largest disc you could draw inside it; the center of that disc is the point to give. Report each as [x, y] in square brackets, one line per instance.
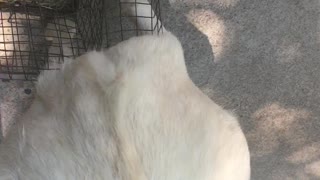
[266, 70]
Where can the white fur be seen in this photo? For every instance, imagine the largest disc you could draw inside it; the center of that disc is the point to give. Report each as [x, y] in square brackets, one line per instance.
[129, 113]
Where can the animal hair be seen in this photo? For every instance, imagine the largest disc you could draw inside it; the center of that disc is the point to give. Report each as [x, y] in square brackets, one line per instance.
[130, 112]
[127, 113]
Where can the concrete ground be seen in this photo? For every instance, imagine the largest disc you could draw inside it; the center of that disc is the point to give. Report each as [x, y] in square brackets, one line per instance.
[259, 59]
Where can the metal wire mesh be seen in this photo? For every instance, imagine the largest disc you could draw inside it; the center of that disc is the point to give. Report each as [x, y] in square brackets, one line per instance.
[34, 38]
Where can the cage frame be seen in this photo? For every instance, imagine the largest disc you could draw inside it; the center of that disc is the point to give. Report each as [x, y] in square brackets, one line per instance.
[96, 37]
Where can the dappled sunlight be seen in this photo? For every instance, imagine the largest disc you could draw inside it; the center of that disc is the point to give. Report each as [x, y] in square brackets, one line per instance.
[276, 117]
[211, 25]
[219, 3]
[289, 52]
[14, 44]
[305, 154]
[11, 32]
[313, 169]
[266, 60]
[6, 39]
[274, 125]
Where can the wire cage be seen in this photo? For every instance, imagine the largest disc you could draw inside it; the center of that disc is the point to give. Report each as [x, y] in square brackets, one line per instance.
[37, 35]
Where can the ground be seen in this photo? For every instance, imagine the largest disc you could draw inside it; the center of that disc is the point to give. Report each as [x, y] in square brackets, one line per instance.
[259, 59]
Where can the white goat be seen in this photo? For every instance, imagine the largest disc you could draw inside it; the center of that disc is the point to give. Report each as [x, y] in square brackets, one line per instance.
[128, 113]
